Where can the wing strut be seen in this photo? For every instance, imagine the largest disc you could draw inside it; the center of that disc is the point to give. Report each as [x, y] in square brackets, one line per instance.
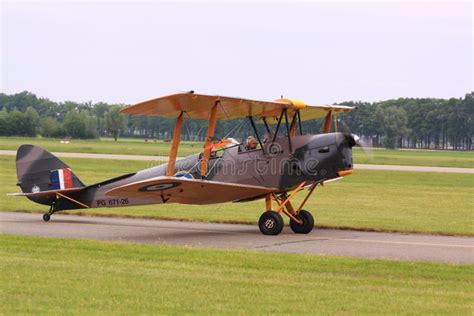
[256, 134]
[288, 132]
[278, 126]
[174, 147]
[299, 122]
[294, 125]
[327, 123]
[210, 134]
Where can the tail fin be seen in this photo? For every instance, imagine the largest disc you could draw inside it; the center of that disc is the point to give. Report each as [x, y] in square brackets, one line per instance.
[38, 170]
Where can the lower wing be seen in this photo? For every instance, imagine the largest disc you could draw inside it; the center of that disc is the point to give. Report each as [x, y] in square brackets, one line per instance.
[188, 191]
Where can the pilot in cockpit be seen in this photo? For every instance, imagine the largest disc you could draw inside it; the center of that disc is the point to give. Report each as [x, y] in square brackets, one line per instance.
[251, 143]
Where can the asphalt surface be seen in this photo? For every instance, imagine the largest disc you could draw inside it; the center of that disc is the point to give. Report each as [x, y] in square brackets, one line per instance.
[414, 168]
[163, 159]
[413, 247]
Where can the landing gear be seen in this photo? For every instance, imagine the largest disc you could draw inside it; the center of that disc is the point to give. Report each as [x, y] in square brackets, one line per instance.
[307, 223]
[270, 223]
[52, 210]
[301, 221]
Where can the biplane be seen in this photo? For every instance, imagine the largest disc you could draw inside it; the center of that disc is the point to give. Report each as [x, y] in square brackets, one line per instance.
[271, 166]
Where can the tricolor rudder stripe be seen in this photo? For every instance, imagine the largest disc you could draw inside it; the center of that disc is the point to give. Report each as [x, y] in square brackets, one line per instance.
[61, 179]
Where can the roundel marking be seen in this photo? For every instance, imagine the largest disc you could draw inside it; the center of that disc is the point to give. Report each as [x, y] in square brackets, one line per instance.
[184, 174]
[35, 189]
[159, 187]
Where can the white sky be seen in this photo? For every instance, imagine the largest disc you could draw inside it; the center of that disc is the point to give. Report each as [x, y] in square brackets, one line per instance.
[323, 52]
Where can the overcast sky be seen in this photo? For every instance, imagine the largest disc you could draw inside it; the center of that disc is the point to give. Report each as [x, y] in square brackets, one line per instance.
[325, 52]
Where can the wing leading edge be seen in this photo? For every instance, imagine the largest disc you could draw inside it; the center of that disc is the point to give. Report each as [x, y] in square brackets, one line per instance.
[198, 106]
[188, 191]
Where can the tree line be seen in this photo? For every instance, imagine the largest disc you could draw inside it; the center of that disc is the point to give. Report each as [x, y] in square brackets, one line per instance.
[406, 122]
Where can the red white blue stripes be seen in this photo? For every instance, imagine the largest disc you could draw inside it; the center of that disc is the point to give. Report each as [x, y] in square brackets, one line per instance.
[61, 179]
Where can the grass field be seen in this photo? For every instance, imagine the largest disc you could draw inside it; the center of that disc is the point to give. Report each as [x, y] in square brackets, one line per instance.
[139, 147]
[368, 199]
[124, 146]
[57, 276]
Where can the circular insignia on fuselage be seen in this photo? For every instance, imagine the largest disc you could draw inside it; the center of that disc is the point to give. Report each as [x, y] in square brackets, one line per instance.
[159, 187]
[184, 174]
[35, 189]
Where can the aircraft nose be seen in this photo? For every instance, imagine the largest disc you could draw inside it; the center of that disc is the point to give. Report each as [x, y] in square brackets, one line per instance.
[345, 149]
[352, 139]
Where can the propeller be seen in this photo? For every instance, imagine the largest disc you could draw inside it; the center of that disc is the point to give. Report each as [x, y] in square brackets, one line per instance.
[366, 147]
[358, 141]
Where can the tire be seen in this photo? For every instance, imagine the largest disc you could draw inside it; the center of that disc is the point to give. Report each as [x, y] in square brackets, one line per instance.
[46, 217]
[306, 227]
[270, 223]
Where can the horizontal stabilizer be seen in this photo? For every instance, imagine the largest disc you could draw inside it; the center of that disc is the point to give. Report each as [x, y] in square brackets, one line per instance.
[188, 191]
[47, 193]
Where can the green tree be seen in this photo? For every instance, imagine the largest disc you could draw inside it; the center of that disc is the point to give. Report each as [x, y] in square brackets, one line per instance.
[5, 123]
[52, 128]
[468, 109]
[17, 123]
[115, 122]
[79, 125]
[31, 120]
[394, 122]
[99, 110]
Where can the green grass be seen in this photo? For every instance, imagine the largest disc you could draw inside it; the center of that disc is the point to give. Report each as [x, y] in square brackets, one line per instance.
[128, 146]
[57, 276]
[439, 203]
[124, 146]
[409, 157]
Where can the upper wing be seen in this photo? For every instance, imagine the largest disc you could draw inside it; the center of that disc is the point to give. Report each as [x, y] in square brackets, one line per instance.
[198, 106]
[188, 191]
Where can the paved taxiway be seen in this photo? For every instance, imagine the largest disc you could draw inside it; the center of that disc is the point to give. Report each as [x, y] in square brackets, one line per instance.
[323, 241]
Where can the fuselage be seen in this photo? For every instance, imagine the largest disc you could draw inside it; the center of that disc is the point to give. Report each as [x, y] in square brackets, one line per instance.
[279, 164]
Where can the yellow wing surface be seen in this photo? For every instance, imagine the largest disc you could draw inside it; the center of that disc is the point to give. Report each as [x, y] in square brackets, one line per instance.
[188, 191]
[198, 106]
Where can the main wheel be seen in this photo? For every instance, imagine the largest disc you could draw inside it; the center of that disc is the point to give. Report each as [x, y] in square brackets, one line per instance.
[307, 225]
[270, 223]
[46, 217]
